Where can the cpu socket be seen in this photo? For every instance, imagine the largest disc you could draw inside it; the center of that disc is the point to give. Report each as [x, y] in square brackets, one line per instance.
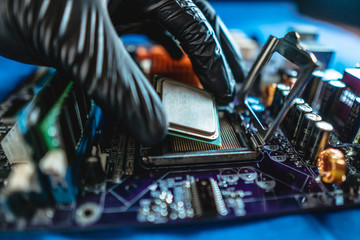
[241, 132]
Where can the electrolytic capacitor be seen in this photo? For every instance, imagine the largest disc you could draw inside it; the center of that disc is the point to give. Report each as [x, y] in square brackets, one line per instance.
[329, 75]
[352, 123]
[287, 123]
[306, 128]
[297, 120]
[330, 96]
[309, 92]
[318, 140]
[276, 104]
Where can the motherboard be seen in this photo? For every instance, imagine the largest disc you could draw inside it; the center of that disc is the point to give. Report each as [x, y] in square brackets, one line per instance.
[65, 165]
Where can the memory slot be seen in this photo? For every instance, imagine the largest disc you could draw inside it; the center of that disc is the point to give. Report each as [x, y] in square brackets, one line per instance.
[53, 132]
[27, 134]
[68, 118]
[55, 119]
[50, 126]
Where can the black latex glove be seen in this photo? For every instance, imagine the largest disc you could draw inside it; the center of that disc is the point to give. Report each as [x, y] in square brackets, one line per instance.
[79, 39]
[231, 51]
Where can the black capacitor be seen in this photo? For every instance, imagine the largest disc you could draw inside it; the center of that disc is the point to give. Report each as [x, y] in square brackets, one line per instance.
[287, 123]
[352, 122]
[309, 91]
[332, 74]
[275, 106]
[297, 120]
[330, 96]
[329, 75]
[306, 128]
[318, 140]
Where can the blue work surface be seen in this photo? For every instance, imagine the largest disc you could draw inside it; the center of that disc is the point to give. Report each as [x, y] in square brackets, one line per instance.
[260, 19]
[11, 75]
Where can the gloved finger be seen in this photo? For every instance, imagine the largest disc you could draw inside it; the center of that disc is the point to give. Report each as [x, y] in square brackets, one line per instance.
[115, 81]
[78, 38]
[156, 33]
[231, 51]
[184, 20]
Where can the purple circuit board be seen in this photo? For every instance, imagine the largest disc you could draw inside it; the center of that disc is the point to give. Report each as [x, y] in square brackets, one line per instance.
[278, 182]
[143, 186]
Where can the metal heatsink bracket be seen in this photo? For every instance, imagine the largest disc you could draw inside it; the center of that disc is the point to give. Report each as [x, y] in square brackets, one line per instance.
[288, 47]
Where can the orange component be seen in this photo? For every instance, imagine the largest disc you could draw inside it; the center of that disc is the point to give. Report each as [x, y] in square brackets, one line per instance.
[332, 166]
[162, 64]
[268, 94]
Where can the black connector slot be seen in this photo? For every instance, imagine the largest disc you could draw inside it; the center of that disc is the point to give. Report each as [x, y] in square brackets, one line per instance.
[203, 198]
[67, 123]
[72, 96]
[83, 109]
[73, 118]
[67, 135]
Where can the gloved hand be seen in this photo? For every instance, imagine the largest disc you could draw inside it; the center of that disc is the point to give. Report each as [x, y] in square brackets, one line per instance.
[79, 38]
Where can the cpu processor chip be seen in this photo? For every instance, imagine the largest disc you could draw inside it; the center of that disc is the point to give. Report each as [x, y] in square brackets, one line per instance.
[190, 110]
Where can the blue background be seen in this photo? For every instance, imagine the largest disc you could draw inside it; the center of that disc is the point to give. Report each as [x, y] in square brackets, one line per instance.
[259, 19]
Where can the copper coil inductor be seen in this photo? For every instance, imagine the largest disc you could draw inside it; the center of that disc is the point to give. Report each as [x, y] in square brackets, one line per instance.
[332, 166]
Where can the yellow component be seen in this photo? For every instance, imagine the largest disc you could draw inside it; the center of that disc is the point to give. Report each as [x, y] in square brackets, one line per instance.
[268, 94]
[332, 166]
